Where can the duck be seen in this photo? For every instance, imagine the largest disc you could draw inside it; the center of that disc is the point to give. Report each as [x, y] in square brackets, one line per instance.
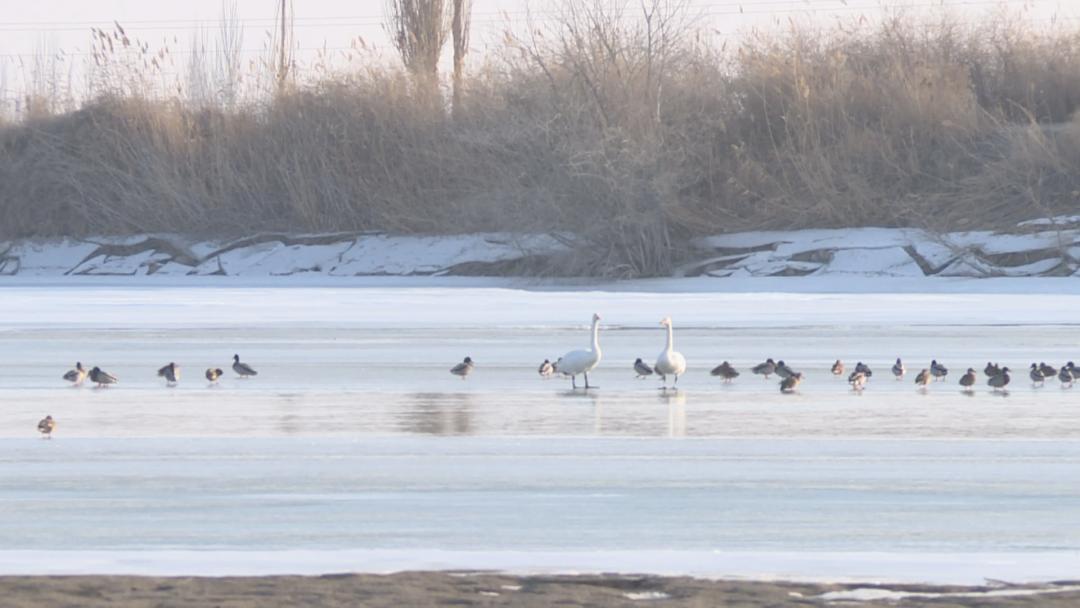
[898, 369]
[170, 372]
[766, 369]
[789, 384]
[865, 369]
[838, 368]
[546, 369]
[857, 380]
[46, 426]
[783, 370]
[1048, 371]
[968, 379]
[1065, 377]
[1036, 375]
[101, 377]
[938, 370]
[923, 378]
[725, 371]
[242, 369]
[642, 369]
[991, 369]
[464, 368]
[1001, 380]
[582, 361]
[77, 375]
[213, 374]
[670, 362]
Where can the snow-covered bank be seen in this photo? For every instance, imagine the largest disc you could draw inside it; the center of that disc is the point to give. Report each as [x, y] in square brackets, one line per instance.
[1048, 249]
[273, 255]
[889, 252]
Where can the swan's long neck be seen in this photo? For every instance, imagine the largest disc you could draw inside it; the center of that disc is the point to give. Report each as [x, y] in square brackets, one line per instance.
[670, 338]
[596, 336]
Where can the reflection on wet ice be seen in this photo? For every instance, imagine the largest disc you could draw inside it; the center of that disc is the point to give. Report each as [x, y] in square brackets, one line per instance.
[437, 413]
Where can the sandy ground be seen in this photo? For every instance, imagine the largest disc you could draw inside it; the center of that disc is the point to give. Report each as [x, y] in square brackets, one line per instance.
[477, 589]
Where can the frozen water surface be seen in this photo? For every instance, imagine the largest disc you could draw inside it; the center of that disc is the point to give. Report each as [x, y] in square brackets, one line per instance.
[354, 449]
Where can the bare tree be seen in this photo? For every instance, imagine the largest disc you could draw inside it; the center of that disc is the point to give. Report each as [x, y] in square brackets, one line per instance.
[198, 81]
[283, 44]
[419, 30]
[227, 59]
[460, 30]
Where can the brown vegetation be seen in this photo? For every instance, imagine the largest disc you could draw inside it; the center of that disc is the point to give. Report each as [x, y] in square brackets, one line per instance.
[626, 133]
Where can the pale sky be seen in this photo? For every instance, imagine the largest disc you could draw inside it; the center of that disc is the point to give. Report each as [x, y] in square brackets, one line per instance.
[26, 26]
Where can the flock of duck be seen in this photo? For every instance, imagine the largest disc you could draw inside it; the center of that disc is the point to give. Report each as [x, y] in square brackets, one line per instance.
[668, 363]
[170, 372]
[672, 363]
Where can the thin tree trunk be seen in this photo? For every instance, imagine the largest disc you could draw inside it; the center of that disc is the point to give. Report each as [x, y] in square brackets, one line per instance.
[460, 31]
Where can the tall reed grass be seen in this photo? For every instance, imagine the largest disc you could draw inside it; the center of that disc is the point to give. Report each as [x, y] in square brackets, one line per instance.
[626, 136]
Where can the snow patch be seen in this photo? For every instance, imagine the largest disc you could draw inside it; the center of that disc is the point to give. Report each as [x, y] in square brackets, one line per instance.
[646, 595]
[872, 594]
[843, 253]
[347, 254]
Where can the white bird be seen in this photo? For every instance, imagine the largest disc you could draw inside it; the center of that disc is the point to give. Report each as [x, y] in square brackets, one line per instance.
[670, 362]
[582, 361]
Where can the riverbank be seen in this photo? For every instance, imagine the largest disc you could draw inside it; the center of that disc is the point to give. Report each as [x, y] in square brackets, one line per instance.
[486, 589]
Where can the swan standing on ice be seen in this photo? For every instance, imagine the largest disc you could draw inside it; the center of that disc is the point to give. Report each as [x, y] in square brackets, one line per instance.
[670, 362]
[582, 361]
[77, 375]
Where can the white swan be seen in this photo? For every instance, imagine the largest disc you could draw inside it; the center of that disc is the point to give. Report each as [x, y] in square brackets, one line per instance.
[670, 362]
[582, 361]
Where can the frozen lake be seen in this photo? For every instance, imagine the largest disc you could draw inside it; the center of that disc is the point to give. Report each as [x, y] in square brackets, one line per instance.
[354, 449]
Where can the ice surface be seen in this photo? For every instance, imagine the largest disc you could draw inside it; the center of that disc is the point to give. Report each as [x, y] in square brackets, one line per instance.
[355, 449]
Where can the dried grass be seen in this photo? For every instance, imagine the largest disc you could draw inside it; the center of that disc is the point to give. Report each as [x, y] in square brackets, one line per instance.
[626, 136]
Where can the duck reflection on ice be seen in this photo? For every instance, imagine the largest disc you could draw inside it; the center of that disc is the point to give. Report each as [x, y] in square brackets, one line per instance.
[438, 414]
